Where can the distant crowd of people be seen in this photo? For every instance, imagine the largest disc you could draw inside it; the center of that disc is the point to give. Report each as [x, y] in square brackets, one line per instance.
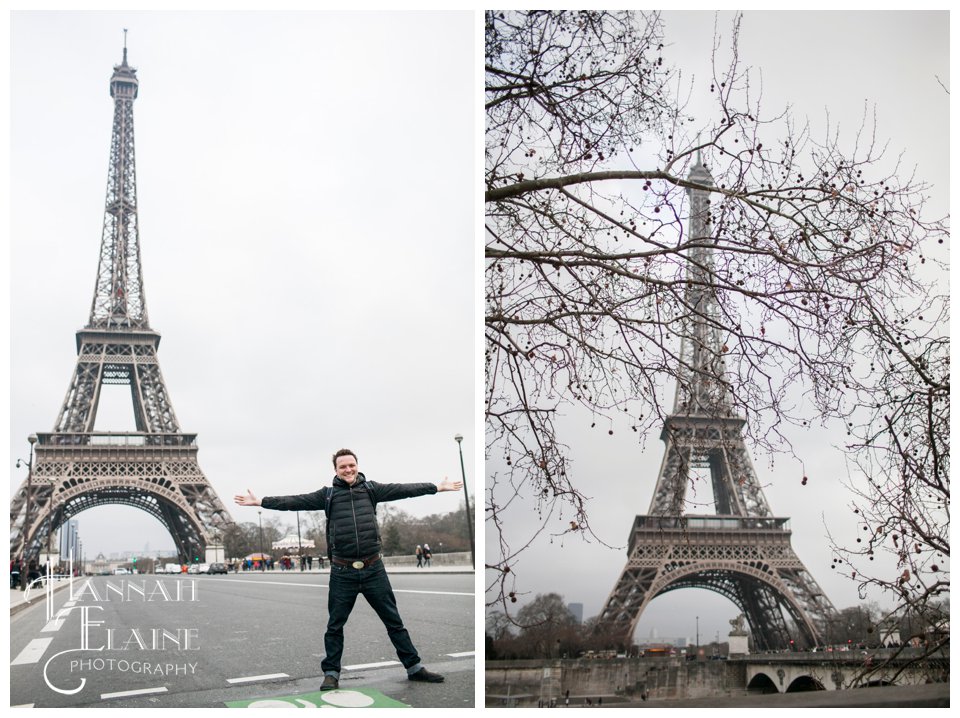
[34, 571]
[286, 563]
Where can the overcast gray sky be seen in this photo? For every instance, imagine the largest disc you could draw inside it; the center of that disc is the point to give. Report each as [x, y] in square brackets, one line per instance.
[841, 63]
[306, 209]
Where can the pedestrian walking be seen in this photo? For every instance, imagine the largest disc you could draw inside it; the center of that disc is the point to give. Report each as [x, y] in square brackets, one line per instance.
[427, 555]
[419, 553]
[356, 568]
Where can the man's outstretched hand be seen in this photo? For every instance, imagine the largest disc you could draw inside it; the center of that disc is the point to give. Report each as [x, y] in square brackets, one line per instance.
[447, 485]
[248, 499]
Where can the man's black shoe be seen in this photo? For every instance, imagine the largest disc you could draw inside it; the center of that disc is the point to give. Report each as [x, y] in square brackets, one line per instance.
[426, 676]
[330, 683]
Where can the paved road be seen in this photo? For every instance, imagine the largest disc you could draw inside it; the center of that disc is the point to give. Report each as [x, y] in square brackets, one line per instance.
[210, 640]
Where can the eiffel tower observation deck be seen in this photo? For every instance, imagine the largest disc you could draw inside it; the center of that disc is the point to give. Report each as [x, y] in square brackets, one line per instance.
[741, 551]
[154, 467]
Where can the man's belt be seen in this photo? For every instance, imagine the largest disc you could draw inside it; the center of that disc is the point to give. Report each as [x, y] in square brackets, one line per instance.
[358, 564]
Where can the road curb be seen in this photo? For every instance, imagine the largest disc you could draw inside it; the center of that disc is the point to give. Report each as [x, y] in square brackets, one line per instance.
[17, 604]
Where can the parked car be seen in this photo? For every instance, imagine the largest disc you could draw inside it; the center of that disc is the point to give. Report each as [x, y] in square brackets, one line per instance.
[217, 568]
[203, 567]
[172, 568]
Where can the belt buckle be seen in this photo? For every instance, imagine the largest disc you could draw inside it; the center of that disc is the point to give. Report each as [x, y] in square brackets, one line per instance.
[357, 565]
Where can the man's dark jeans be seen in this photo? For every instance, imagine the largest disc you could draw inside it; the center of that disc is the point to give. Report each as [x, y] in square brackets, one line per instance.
[346, 583]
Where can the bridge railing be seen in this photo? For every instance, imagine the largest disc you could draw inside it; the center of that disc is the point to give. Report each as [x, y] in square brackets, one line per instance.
[854, 655]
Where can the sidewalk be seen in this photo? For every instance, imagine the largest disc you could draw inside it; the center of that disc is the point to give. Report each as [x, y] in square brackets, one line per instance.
[455, 568]
[38, 595]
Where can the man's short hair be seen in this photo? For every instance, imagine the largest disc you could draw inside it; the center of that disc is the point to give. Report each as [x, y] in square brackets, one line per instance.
[343, 452]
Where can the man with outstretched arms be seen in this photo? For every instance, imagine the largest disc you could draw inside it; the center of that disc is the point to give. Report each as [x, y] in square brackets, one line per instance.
[353, 543]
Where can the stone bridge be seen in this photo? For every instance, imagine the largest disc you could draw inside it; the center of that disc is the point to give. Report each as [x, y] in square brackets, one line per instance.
[792, 672]
[542, 682]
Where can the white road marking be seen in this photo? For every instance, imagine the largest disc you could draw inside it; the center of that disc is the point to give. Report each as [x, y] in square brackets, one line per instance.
[248, 679]
[253, 581]
[361, 666]
[32, 653]
[324, 585]
[53, 625]
[23, 705]
[141, 692]
[461, 655]
[433, 593]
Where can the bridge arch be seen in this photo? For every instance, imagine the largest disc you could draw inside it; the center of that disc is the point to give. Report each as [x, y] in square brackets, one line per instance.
[762, 683]
[804, 683]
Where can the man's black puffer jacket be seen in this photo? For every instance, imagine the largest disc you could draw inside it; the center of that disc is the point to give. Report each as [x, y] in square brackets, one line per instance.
[352, 518]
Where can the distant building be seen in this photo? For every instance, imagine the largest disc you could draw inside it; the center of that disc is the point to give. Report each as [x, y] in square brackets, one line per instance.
[577, 610]
[70, 541]
[101, 565]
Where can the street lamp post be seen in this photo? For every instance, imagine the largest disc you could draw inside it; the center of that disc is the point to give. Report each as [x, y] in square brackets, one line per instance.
[26, 517]
[263, 564]
[53, 513]
[299, 543]
[466, 496]
[698, 634]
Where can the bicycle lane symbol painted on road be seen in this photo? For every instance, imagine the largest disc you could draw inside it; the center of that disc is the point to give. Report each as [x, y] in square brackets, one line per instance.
[353, 698]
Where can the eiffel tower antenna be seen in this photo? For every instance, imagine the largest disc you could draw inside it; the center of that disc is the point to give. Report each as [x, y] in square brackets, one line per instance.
[154, 467]
[741, 551]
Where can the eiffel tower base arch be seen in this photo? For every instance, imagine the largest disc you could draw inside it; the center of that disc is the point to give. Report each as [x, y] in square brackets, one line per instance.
[157, 474]
[747, 560]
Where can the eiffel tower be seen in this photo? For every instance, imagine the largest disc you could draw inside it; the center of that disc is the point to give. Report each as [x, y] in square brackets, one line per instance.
[153, 468]
[741, 551]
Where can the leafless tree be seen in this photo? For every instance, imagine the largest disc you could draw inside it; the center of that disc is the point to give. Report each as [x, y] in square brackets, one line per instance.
[821, 262]
[498, 625]
[547, 627]
[901, 498]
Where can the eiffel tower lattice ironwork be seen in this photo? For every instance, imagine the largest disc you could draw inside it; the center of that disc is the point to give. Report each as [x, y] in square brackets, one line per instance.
[153, 468]
[741, 551]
